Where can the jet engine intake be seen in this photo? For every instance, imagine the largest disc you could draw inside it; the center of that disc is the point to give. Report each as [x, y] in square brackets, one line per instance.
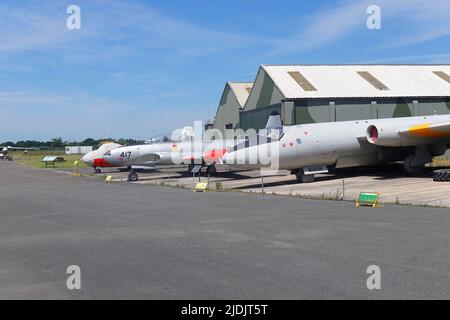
[386, 135]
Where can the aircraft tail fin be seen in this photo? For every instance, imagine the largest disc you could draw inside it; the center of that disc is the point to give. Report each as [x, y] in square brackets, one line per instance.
[274, 126]
[187, 133]
[274, 121]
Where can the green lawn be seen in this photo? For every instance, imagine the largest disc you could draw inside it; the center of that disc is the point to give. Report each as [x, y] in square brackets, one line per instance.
[33, 159]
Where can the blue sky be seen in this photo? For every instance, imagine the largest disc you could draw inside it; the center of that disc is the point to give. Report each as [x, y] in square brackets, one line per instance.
[139, 68]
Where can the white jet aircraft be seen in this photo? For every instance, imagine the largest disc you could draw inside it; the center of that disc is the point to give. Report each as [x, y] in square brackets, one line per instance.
[315, 148]
[95, 158]
[5, 151]
[203, 152]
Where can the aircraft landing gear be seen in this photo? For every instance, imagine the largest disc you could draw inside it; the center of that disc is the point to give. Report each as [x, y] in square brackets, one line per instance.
[414, 163]
[410, 169]
[302, 177]
[211, 169]
[97, 170]
[133, 176]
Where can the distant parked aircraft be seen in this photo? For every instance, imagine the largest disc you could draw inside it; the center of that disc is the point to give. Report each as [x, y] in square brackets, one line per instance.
[100, 158]
[203, 152]
[5, 150]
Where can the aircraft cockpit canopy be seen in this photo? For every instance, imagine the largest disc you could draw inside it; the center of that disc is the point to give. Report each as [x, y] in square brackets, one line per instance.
[162, 138]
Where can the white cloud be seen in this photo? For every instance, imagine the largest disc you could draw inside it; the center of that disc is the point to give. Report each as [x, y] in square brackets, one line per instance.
[404, 22]
[109, 29]
[117, 28]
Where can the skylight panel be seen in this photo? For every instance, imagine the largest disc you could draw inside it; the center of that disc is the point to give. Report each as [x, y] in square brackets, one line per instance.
[302, 81]
[372, 80]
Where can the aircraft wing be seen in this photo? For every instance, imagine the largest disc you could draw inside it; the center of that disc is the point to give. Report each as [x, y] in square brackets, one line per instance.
[419, 134]
[20, 148]
[427, 130]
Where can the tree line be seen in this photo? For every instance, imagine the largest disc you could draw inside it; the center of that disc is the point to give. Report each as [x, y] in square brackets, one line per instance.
[58, 143]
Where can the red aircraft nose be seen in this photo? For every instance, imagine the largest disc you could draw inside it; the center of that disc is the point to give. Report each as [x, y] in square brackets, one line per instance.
[214, 155]
[100, 162]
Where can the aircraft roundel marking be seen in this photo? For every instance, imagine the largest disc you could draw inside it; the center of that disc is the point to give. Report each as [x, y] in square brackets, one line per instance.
[306, 132]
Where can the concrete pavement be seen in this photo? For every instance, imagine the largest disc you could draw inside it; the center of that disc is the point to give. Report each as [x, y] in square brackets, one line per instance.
[148, 242]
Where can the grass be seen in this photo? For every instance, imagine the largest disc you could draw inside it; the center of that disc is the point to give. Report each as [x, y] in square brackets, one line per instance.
[33, 159]
[335, 196]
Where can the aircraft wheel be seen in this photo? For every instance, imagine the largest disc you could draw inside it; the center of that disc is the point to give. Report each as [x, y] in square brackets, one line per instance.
[211, 169]
[303, 178]
[97, 171]
[132, 176]
[441, 175]
[410, 170]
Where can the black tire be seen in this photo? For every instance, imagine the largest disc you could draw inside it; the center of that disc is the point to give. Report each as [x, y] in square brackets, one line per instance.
[97, 171]
[441, 175]
[411, 171]
[133, 176]
[211, 169]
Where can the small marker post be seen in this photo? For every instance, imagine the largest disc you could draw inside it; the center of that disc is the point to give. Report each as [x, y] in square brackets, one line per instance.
[262, 184]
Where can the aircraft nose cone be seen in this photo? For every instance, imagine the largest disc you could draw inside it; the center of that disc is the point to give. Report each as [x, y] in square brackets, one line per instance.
[86, 161]
[254, 157]
[224, 158]
[101, 162]
[229, 158]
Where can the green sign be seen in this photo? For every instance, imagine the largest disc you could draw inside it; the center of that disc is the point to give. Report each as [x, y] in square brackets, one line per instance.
[367, 199]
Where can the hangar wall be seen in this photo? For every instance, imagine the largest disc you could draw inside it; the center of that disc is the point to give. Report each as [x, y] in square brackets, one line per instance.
[228, 110]
[264, 93]
[257, 118]
[312, 111]
[316, 111]
[233, 98]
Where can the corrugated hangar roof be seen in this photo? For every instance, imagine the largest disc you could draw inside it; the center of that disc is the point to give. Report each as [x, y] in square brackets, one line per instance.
[354, 81]
[241, 91]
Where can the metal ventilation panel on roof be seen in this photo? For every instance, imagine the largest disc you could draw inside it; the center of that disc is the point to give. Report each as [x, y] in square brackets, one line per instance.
[372, 80]
[301, 80]
[442, 75]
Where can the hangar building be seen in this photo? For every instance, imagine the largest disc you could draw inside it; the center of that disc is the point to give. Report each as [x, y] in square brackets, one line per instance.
[324, 93]
[233, 99]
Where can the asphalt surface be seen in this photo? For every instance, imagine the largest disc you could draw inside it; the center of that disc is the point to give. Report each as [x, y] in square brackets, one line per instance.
[148, 242]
